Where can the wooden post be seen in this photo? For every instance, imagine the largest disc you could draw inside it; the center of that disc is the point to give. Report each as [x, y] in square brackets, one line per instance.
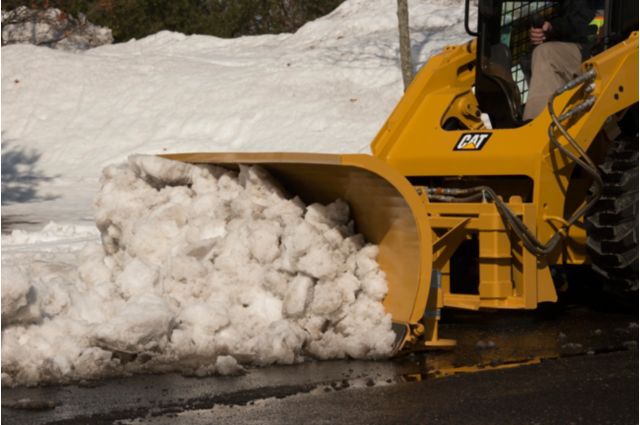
[405, 43]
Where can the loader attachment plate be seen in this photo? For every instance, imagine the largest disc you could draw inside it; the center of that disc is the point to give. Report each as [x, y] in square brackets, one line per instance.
[385, 207]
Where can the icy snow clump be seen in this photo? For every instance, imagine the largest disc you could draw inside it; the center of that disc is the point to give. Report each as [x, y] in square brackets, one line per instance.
[201, 270]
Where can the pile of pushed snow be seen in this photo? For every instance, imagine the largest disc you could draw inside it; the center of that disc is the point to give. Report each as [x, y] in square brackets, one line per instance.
[53, 28]
[201, 270]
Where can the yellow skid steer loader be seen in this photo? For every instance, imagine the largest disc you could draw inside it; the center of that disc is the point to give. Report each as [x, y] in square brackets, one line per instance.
[473, 217]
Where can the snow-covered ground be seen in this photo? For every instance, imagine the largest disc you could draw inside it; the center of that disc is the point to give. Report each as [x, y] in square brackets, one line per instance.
[66, 116]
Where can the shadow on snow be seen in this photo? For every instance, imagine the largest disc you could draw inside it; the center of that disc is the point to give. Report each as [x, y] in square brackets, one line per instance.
[20, 175]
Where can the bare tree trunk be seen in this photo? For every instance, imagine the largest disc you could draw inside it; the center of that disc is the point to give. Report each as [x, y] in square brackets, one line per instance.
[405, 43]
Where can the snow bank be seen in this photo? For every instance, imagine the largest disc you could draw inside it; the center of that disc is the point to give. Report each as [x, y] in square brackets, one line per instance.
[201, 270]
[327, 88]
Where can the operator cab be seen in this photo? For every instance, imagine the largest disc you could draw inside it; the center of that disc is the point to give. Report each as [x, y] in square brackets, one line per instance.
[504, 50]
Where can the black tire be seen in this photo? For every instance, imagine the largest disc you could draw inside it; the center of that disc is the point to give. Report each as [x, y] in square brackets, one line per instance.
[612, 225]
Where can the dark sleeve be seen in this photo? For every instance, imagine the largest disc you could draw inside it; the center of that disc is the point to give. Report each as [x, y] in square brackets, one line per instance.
[572, 23]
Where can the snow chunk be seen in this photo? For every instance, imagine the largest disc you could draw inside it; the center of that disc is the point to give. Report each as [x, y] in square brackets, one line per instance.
[15, 293]
[298, 295]
[142, 325]
[227, 365]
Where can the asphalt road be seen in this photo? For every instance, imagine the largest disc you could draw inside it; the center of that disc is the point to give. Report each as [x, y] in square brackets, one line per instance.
[576, 365]
[586, 390]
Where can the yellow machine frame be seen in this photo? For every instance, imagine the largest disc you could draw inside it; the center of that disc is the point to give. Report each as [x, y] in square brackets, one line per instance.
[414, 142]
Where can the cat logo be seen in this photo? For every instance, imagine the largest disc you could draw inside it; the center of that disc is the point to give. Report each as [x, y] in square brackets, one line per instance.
[472, 141]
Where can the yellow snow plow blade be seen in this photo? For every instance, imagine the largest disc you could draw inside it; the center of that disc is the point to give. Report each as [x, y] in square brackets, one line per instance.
[385, 207]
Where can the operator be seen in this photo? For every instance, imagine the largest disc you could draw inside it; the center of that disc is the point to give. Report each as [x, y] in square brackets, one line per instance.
[560, 46]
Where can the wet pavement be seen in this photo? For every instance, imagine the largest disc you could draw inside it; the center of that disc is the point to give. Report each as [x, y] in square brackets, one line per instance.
[564, 391]
[573, 364]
